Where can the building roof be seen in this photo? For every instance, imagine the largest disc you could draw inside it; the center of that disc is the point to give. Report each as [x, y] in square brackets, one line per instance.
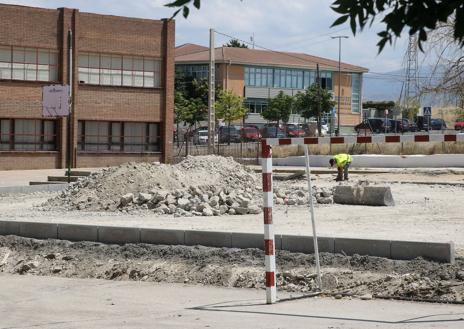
[191, 53]
[189, 48]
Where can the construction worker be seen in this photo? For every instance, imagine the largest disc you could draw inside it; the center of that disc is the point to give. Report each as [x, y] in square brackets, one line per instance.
[343, 162]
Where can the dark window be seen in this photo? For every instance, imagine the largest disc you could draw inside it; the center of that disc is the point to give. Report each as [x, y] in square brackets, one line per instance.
[27, 135]
[105, 136]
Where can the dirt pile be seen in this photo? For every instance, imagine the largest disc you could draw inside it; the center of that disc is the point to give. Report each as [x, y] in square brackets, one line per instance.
[197, 186]
[360, 276]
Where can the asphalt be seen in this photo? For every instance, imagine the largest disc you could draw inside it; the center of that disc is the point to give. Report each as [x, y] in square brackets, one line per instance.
[46, 302]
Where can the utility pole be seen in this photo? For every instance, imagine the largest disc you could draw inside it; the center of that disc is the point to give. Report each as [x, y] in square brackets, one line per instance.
[211, 95]
[318, 82]
[69, 119]
[339, 37]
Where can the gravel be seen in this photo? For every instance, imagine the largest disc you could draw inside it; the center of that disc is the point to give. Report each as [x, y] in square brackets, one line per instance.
[360, 276]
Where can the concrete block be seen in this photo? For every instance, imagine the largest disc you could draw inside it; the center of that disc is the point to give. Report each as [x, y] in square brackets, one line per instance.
[248, 240]
[208, 239]
[379, 248]
[38, 230]
[440, 252]
[76, 232]
[363, 195]
[305, 244]
[168, 237]
[118, 235]
[9, 228]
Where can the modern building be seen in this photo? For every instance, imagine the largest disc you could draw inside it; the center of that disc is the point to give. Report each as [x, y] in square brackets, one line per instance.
[122, 79]
[258, 75]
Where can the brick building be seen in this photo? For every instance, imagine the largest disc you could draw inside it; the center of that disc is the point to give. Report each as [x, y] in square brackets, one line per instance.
[122, 88]
[258, 75]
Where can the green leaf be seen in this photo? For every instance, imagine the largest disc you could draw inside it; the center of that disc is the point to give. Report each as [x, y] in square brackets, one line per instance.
[185, 11]
[177, 3]
[196, 4]
[340, 20]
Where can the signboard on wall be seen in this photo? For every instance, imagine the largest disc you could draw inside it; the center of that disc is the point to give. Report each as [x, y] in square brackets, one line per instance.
[55, 101]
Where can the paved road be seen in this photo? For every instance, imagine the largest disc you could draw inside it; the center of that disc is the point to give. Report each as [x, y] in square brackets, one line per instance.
[47, 302]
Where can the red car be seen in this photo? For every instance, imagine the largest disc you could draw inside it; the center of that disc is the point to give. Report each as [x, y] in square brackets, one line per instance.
[294, 130]
[249, 134]
[459, 125]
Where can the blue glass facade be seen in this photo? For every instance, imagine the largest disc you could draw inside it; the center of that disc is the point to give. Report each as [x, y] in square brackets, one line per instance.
[269, 77]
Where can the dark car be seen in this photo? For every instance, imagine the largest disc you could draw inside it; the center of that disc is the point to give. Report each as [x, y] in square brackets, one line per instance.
[249, 134]
[399, 126]
[228, 134]
[376, 125]
[422, 123]
[272, 132]
[437, 124]
[411, 126]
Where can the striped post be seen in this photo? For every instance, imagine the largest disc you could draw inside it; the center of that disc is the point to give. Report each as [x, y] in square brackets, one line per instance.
[269, 243]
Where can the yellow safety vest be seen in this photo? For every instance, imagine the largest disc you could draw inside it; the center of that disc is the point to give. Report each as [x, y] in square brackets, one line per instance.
[342, 159]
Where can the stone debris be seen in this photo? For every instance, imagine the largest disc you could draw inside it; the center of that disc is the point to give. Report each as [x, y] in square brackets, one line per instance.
[298, 195]
[197, 186]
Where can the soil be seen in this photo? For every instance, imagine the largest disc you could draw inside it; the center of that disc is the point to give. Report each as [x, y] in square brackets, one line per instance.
[359, 276]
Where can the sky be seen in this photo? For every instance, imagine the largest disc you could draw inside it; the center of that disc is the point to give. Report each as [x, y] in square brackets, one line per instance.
[285, 25]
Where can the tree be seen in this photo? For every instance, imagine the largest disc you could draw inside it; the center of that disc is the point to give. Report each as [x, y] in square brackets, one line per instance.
[279, 108]
[311, 100]
[229, 107]
[421, 16]
[447, 77]
[235, 43]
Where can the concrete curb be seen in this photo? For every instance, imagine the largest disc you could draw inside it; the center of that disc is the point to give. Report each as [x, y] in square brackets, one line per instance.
[401, 250]
[33, 188]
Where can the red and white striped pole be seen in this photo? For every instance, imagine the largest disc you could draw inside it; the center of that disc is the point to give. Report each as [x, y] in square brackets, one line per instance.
[269, 244]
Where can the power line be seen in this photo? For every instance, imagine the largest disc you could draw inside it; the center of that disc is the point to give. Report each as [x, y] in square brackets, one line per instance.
[268, 49]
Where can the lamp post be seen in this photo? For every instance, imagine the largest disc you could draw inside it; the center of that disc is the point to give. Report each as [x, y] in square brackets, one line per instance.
[339, 37]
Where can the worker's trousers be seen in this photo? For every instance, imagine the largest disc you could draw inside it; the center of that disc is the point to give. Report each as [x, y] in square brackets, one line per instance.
[343, 172]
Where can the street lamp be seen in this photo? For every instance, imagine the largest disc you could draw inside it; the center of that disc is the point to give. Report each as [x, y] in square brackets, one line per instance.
[339, 37]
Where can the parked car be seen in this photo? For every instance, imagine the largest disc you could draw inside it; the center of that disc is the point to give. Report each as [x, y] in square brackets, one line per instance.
[437, 124]
[459, 124]
[294, 130]
[272, 132]
[376, 125]
[229, 134]
[411, 126]
[200, 137]
[250, 133]
[422, 123]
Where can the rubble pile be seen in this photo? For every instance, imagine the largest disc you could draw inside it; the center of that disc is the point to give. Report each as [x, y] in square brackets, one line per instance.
[298, 195]
[197, 186]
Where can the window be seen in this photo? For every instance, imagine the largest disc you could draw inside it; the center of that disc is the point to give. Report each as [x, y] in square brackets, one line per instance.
[355, 92]
[326, 80]
[114, 70]
[27, 135]
[105, 136]
[196, 71]
[30, 64]
[255, 105]
[258, 77]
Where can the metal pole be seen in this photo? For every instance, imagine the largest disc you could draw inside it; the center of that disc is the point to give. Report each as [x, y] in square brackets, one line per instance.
[339, 77]
[211, 94]
[70, 75]
[318, 79]
[313, 220]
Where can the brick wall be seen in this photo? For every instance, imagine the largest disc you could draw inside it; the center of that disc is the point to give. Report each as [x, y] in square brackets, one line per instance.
[44, 28]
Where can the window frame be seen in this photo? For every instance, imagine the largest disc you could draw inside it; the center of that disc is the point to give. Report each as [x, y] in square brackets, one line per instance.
[105, 142]
[112, 71]
[25, 63]
[42, 137]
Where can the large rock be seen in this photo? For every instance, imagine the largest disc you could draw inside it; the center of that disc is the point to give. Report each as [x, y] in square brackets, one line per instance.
[144, 197]
[363, 195]
[183, 203]
[126, 199]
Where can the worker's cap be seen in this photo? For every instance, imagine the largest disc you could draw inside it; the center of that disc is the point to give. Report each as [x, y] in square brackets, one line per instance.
[332, 162]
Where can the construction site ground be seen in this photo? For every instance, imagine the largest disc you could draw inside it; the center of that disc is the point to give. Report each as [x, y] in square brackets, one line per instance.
[87, 303]
[429, 211]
